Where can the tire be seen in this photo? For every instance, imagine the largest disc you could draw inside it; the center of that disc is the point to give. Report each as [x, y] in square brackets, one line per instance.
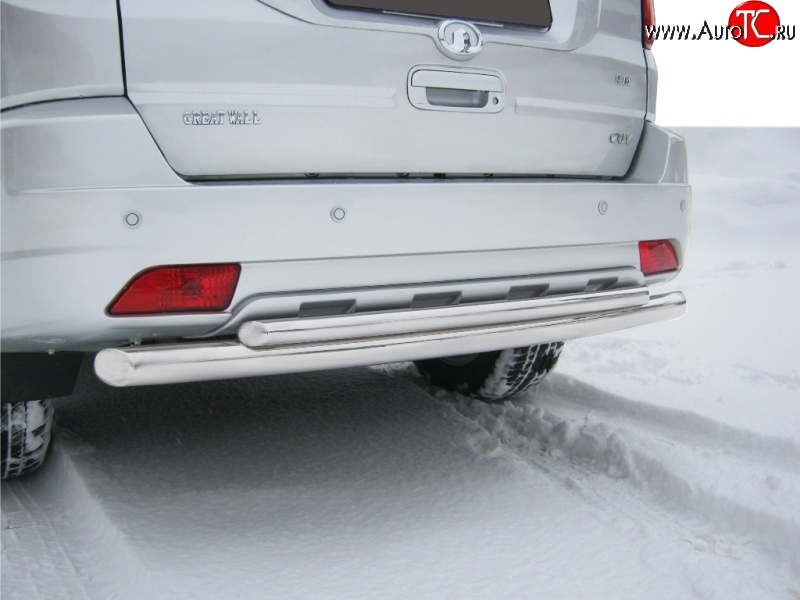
[493, 376]
[26, 428]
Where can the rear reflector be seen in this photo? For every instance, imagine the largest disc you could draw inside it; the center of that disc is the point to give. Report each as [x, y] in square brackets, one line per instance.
[192, 288]
[648, 23]
[658, 256]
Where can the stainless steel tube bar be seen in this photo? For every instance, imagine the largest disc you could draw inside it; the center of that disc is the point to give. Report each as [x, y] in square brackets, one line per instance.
[222, 360]
[261, 334]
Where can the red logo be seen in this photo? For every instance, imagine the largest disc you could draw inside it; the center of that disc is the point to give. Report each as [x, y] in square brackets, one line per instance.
[754, 23]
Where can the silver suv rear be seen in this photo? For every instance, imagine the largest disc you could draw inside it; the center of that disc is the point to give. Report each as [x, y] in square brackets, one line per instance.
[199, 190]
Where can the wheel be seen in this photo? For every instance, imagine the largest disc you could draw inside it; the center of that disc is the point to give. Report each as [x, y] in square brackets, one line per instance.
[25, 436]
[493, 376]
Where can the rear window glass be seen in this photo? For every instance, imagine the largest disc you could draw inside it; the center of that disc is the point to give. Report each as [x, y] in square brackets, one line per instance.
[535, 13]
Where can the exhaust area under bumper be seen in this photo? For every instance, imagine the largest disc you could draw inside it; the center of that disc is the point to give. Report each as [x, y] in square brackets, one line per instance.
[320, 343]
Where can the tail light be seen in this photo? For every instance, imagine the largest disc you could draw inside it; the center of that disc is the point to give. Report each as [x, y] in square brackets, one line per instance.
[175, 289]
[657, 256]
[648, 23]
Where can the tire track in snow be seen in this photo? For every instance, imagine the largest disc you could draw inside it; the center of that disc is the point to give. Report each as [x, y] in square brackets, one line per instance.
[33, 547]
[597, 447]
[628, 508]
[587, 433]
[50, 519]
[742, 480]
[36, 552]
[678, 425]
[526, 442]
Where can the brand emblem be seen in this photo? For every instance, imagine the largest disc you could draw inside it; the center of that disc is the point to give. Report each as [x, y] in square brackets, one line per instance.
[459, 39]
[221, 117]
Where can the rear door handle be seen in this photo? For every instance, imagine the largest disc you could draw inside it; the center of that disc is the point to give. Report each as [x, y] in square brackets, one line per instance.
[431, 88]
[453, 80]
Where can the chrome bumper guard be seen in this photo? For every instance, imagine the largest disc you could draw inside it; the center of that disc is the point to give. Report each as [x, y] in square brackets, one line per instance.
[319, 343]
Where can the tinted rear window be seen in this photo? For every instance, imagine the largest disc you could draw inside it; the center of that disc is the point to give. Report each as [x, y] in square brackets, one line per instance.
[534, 13]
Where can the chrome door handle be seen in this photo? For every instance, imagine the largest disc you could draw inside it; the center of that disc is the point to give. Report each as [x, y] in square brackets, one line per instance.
[432, 88]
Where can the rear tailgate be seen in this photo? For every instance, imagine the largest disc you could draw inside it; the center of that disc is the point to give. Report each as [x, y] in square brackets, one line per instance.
[273, 88]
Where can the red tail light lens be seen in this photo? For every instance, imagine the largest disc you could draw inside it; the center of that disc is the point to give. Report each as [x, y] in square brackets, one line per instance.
[193, 288]
[658, 256]
[648, 23]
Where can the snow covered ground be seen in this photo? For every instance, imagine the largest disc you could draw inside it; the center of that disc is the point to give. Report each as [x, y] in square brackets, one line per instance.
[662, 462]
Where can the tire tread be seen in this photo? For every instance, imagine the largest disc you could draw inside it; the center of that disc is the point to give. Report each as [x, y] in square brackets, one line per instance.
[25, 433]
[494, 376]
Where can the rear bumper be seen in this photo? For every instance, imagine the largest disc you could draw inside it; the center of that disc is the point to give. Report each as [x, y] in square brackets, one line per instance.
[73, 172]
[358, 340]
